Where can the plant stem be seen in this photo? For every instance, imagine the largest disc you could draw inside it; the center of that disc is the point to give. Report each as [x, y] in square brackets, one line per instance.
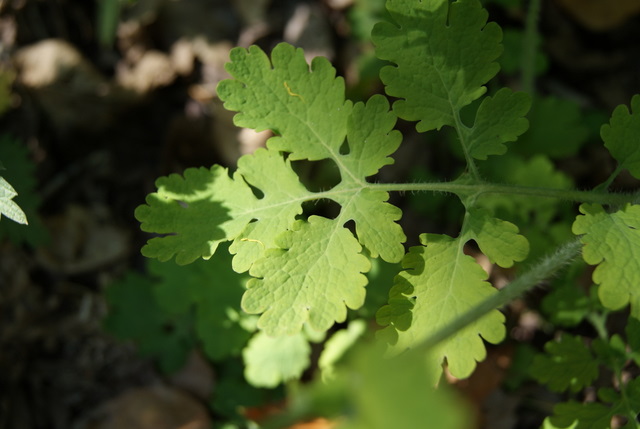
[544, 269]
[494, 188]
[605, 185]
[530, 47]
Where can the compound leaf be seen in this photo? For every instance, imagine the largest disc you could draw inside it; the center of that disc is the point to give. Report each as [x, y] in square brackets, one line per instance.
[444, 53]
[620, 136]
[438, 285]
[612, 242]
[567, 364]
[314, 275]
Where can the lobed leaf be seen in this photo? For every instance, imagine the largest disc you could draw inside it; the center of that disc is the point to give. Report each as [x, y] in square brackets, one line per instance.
[500, 119]
[213, 290]
[207, 207]
[498, 239]
[620, 136]
[304, 106]
[439, 284]
[567, 364]
[598, 415]
[612, 242]
[443, 54]
[314, 275]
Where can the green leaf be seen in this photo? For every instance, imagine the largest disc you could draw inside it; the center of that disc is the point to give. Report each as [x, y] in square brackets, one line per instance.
[207, 207]
[498, 239]
[312, 122]
[567, 364]
[597, 415]
[7, 206]
[304, 106]
[439, 284]
[213, 290]
[444, 53]
[568, 303]
[312, 277]
[270, 361]
[500, 119]
[620, 136]
[135, 314]
[612, 242]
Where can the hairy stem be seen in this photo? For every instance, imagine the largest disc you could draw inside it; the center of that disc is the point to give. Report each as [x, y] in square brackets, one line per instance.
[495, 188]
[540, 272]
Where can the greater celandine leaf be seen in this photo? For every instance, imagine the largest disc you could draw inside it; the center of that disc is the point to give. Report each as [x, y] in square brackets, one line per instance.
[444, 53]
[498, 239]
[305, 106]
[567, 364]
[439, 284]
[206, 207]
[433, 82]
[620, 136]
[213, 291]
[314, 275]
[612, 242]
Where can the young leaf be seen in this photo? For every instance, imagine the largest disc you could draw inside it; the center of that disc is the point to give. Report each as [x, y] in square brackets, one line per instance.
[313, 276]
[620, 136]
[270, 361]
[567, 364]
[439, 284]
[612, 241]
